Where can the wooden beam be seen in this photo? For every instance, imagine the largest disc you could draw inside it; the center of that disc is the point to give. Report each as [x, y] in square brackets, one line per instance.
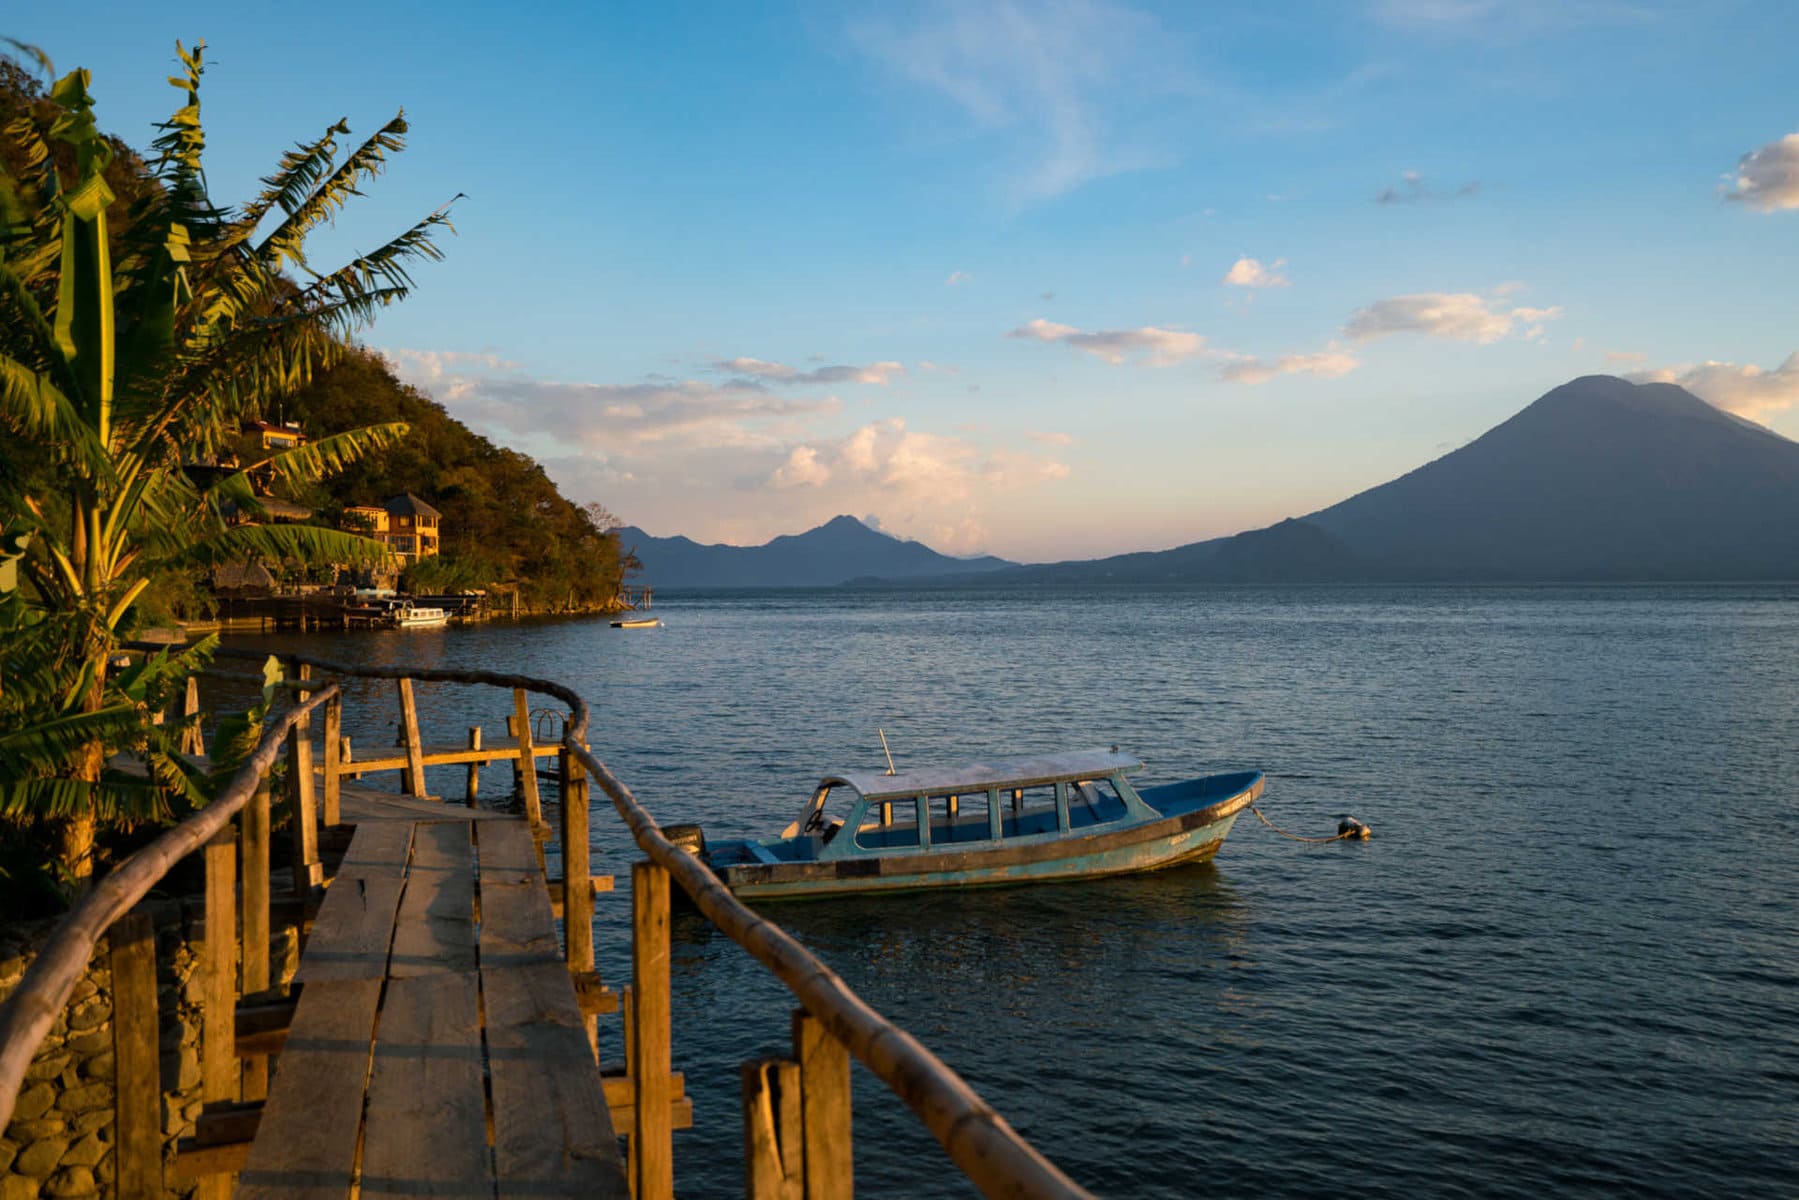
[772, 1144]
[413, 782]
[308, 872]
[474, 768]
[577, 889]
[192, 740]
[824, 1081]
[137, 1080]
[335, 747]
[652, 1138]
[219, 1068]
[426, 1127]
[253, 969]
[527, 761]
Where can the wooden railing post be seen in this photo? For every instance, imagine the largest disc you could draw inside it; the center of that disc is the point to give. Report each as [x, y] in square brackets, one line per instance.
[652, 1060]
[254, 964]
[474, 768]
[137, 1078]
[308, 871]
[527, 758]
[332, 800]
[218, 1005]
[413, 781]
[772, 1140]
[824, 1081]
[577, 883]
[192, 740]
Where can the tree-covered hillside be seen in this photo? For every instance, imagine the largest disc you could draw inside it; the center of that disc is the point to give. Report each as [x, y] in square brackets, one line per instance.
[504, 522]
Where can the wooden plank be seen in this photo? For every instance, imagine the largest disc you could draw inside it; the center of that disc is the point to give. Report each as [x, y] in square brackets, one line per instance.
[553, 1133]
[824, 1109]
[435, 930]
[137, 1078]
[455, 756]
[474, 768]
[527, 759]
[253, 920]
[334, 732]
[307, 870]
[517, 927]
[219, 1068]
[652, 1138]
[355, 925]
[414, 778]
[425, 1133]
[361, 805]
[306, 1145]
[771, 1131]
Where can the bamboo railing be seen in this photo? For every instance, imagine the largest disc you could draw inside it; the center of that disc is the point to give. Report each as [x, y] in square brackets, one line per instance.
[796, 1110]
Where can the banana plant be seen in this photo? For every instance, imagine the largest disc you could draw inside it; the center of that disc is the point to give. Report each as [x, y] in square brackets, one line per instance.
[125, 357]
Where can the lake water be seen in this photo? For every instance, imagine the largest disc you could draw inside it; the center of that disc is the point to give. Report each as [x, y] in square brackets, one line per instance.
[1567, 962]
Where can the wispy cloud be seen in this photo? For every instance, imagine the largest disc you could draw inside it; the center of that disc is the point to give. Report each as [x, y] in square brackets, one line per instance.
[1747, 390]
[1625, 356]
[957, 278]
[1506, 20]
[1158, 347]
[764, 372]
[1456, 316]
[1768, 179]
[1250, 273]
[1414, 189]
[1330, 364]
[1049, 438]
[1045, 69]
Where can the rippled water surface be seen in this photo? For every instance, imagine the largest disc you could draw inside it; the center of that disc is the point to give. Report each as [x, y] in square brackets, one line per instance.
[1565, 964]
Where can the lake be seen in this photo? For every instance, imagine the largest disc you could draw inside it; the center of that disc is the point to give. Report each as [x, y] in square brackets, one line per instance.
[1565, 963]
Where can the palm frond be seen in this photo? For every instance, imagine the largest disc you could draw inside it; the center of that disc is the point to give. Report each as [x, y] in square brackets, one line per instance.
[286, 242]
[327, 456]
[305, 543]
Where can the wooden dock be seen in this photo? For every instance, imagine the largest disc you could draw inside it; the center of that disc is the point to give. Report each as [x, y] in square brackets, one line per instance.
[439, 1037]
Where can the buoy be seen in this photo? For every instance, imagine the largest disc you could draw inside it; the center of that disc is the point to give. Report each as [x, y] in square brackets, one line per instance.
[1349, 827]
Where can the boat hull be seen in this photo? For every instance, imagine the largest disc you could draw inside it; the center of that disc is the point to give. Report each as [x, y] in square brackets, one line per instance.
[1149, 846]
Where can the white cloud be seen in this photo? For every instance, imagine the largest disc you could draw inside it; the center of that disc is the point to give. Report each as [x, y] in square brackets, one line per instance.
[762, 371]
[1247, 272]
[1506, 20]
[1768, 179]
[1159, 347]
[1046, 70]
[957, 277]
[1330, 364]
[1625, 356]
[1050, 438]
[1747, 390]
[1457, 316]
[802, 469]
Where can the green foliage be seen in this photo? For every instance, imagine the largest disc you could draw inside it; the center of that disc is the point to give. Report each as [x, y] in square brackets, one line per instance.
[129, 351]
[504, 522]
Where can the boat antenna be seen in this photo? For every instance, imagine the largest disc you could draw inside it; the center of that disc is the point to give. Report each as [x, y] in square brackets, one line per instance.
[887, 752]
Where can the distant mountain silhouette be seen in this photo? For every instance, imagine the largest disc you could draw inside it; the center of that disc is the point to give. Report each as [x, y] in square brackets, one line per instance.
[836, 552]
[1600, 479]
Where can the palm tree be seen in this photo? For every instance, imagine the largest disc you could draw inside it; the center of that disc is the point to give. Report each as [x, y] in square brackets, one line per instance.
[125, 357]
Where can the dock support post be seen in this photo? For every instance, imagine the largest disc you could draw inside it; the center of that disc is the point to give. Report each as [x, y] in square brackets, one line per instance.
[254, 967]
[577, 885]
[773, 1147]
[527, 758]
[652, 1135]
[335, 746]
[824, 1081]
[137, 1078]
[414, 778]
[218, 1027]
[192, 740]
[308, 871]
[474, 768]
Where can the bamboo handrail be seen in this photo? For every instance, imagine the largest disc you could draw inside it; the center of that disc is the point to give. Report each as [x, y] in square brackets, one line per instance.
[988, 1151]
[31, 1010]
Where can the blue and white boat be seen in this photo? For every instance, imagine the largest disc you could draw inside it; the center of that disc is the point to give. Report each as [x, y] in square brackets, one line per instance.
[1027, 820]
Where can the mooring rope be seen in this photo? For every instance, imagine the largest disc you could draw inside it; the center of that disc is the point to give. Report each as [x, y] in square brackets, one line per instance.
[1347, 833]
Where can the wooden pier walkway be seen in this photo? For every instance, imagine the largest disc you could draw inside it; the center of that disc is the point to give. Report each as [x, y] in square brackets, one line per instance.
[437, 1046]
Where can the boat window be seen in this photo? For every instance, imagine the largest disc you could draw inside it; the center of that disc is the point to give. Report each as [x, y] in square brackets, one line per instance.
[889, 825]
[958, 818]
[1093, 802]
[1028, 811]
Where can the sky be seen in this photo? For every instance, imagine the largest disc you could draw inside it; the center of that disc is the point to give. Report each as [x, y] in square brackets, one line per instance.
[1045, 280]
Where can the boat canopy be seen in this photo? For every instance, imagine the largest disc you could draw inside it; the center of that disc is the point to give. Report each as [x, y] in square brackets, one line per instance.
[978, 777]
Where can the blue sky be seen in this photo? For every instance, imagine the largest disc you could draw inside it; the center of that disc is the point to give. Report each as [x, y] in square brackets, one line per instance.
[1047, 280]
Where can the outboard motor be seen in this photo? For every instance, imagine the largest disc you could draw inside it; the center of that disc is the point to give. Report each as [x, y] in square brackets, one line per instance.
[690, 838]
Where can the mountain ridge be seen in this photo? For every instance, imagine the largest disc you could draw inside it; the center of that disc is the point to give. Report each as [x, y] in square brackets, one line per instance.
[839, 551]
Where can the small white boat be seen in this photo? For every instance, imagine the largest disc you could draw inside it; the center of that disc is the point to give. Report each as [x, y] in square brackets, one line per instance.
[414, 617]
[636, 622]
[1061, 816]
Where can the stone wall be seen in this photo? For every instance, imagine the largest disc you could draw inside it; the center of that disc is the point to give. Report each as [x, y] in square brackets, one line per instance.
[61, 1138]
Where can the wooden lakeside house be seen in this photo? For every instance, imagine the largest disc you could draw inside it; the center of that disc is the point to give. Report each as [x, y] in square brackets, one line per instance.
[405, 524]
